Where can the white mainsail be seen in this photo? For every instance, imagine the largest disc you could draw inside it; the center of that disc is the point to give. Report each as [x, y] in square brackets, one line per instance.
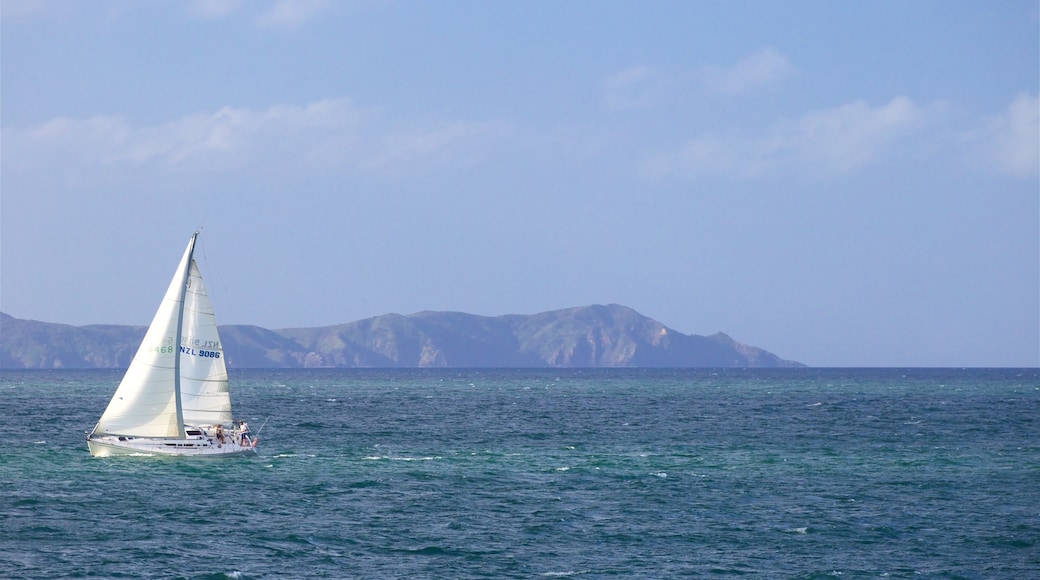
[146, 403]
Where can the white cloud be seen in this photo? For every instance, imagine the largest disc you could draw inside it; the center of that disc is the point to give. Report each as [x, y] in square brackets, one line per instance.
[1011, 140]
[635, 87]
[35, 9]
[457, 144]
[291, 14]
[643, 86]
[765, 67]
[820, 144]
[268, 14]
[213, 9]
[276, 14]
[224, 134]
[327, 135]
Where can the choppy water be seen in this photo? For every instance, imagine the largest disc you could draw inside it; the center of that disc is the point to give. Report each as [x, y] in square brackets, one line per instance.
[797, 473]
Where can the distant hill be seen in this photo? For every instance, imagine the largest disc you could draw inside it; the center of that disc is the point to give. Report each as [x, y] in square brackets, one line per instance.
[587, 336]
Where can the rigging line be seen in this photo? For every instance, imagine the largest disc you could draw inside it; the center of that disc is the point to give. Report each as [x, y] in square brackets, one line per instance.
[262, 426]
[226, 304]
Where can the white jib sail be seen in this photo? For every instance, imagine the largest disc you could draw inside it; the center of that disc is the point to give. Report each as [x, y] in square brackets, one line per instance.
[205, 399]
[145, 403]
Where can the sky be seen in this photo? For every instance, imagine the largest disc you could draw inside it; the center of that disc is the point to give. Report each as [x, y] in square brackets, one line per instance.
[840, 183]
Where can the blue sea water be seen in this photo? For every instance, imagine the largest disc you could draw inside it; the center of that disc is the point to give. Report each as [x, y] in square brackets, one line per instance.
[795, 473]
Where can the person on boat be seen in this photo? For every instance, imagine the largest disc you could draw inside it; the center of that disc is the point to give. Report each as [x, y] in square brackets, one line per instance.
[243, 430]
[220, 433]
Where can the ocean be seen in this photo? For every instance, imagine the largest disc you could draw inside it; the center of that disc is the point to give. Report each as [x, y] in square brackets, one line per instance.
[545, 473]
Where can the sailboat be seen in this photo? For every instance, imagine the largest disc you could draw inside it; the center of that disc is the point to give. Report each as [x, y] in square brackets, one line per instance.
[174, 398]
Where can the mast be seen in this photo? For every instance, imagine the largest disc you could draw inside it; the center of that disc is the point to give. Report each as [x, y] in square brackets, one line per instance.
[185, 280]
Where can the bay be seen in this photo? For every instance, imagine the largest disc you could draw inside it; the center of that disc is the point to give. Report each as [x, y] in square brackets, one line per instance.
[589, 473]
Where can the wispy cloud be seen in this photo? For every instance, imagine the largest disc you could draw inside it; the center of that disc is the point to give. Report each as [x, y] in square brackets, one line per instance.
[43, 9]
[326, 135]
[213, 9]
[458, 144]
[1011, 139]
[635, 87]
[823, 143]
[291, 14]
[761, 69]
[643, 86]
[265, 14]
[276, 14]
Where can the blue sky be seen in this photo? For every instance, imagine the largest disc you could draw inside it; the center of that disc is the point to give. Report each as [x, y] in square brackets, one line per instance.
[841, 183]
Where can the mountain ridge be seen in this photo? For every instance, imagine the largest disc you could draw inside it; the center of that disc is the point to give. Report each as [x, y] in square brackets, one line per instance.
[585, 336]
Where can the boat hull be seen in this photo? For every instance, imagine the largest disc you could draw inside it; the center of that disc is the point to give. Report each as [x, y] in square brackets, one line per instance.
[111, 445]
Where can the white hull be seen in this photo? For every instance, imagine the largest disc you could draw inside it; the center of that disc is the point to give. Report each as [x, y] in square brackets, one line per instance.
[193, 446]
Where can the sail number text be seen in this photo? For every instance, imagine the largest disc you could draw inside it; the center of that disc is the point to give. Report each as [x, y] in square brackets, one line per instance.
[202, 353]
[168, 347]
